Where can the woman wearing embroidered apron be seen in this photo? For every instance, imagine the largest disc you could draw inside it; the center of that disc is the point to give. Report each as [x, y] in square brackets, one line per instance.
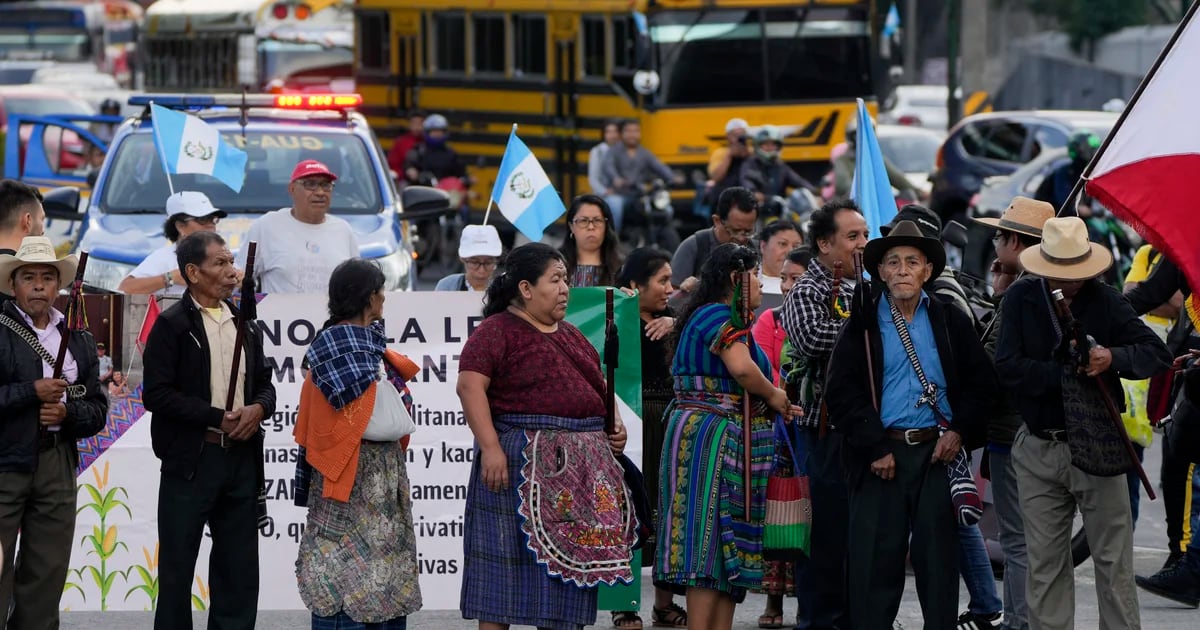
[705, 542]
[592, 250]
[548, 515]
[357, 564]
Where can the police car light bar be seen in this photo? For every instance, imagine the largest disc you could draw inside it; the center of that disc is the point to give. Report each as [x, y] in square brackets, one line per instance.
[282, 101]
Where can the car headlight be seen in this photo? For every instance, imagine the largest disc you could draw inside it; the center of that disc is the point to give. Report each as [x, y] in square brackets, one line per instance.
[662, 200]
[105, 274]
[396, 267]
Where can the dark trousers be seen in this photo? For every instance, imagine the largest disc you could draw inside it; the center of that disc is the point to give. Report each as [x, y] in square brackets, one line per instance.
[1176, 476]
[221, 494]
[883, 517]
[40, 504]
[821, 582]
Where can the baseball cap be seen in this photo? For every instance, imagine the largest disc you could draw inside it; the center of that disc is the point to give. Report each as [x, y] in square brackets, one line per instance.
[736, 123]
[479, 240]
[927, 220]
[193, 204]
[309, 168]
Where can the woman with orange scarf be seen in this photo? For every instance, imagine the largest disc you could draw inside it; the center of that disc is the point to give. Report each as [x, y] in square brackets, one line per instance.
[357, 564]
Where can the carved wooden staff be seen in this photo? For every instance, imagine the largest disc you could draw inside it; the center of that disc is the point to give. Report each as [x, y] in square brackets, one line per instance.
[612, 348]
[861, 289]
[76, 318]
[834, 308]
[246, 311]
[745, 313]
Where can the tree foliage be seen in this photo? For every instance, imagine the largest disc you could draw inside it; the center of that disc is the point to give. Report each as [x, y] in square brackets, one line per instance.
[1086, 21]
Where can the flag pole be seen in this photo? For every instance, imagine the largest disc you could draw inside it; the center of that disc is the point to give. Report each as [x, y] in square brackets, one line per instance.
[162, 157]
[1137, 94]
[488, 212]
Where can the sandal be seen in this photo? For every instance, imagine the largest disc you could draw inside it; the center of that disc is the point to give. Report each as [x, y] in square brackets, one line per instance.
[626, 620]
[671, 616]
[769, 620]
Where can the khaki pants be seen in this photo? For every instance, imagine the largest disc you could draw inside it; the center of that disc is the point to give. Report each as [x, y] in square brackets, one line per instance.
[1051, 489]
[41, 505]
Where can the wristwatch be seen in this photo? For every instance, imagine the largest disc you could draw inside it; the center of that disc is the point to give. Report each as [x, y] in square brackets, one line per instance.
[168, 281]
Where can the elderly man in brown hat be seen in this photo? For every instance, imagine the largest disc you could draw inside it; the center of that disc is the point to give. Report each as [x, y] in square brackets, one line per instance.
[906, 403]
[1069, 455]
[1019, 228]
[43, 417]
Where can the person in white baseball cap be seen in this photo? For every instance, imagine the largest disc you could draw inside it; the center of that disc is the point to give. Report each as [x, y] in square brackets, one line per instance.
[187, 212]
[725, 163]
[479, 249]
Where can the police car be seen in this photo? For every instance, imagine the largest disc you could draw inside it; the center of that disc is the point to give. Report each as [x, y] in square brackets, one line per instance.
[125, 211]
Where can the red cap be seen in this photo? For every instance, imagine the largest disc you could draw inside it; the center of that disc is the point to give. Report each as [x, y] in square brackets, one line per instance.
[309, 168]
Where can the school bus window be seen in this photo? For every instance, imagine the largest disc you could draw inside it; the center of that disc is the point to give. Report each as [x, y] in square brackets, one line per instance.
[373, 40]
[801, 48]
[488, 35]
[449, 34]
[593, 46]
[529, 42]
[622, 47]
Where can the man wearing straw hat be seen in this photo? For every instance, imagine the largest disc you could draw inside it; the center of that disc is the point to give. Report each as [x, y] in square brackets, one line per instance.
[1019, 228]
[43, 417]
[1069, 454]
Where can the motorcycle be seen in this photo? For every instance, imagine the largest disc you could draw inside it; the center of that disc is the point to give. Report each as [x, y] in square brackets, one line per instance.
[432, 240]
[653, 213]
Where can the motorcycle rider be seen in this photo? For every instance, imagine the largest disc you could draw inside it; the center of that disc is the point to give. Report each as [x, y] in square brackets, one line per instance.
[1055, 189]
[406, 142]
[628, 166]
[725, 164]
[765, 172]
[433, 156]
[843, 168]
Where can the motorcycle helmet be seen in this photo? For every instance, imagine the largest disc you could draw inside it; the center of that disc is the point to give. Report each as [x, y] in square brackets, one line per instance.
[110, 107]
[768, 133]
[436, 121]
[1082, 146]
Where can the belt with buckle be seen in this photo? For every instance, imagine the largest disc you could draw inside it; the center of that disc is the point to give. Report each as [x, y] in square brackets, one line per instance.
[49, 439]
[912, 437]
[219, 438]
[1052, 435]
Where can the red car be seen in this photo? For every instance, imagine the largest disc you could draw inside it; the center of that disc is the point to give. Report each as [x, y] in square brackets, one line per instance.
[42, 101]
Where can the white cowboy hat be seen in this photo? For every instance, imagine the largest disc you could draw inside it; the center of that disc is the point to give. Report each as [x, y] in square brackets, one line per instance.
[35, 250]
[1065, 252]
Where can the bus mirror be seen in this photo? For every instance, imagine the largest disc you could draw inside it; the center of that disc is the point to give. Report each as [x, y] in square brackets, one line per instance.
[62, 203]
[646, 82]
[423, 202]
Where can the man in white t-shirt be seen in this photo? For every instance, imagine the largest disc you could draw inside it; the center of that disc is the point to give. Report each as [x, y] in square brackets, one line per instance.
[187, 212]
[298, 247]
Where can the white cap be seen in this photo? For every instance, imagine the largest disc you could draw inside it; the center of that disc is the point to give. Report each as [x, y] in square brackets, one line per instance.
[735, 124]
[479, 240]
[191, 203]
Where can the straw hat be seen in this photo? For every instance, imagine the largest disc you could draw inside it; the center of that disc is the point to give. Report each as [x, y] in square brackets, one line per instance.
[1065, 252]
[35, 250]
[1023, 215]
[905, 233]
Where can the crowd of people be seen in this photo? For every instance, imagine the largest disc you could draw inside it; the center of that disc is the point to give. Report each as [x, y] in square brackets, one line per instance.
[887, 381]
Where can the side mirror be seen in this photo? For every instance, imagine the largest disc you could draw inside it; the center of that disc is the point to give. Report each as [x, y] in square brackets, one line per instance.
[955, 234]
[62, 203]
[92, 177]
[423, 202]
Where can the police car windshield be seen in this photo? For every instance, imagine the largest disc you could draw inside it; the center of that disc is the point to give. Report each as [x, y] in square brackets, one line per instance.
[136, 183]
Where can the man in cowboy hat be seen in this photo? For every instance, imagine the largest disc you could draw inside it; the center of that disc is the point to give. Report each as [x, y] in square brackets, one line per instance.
[1019, 228]
[932, 379]
[43, 417]
[1068, 454]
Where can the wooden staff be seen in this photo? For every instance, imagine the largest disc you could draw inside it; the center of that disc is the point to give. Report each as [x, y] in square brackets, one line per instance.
[74, 319]
[245, 312]
[612, 348]
[862, 290]
[1083, 346]
[835, 291]
[745, 313]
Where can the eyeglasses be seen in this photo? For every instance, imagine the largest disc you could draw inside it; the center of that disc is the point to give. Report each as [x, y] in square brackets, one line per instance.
[997, 237]
[209, 220]
[589, 222]
[480, 264]
[312, 185]
[736, 233]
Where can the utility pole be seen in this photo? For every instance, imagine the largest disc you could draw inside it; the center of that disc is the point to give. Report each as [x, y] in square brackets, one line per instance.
[910, 41]
[953, 29]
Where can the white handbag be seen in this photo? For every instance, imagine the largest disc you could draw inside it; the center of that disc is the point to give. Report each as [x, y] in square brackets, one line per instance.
[390, 419]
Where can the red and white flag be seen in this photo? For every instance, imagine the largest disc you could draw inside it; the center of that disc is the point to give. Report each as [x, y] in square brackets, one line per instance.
[1148, 171]
[148, 322]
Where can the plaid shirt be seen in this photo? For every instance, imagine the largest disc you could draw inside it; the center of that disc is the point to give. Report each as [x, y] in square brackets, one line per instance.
[812, 329]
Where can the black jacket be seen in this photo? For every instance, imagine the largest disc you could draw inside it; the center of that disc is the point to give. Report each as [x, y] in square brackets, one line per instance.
[970, 381]
[20, 407]
[176, 387]
[1027, 355]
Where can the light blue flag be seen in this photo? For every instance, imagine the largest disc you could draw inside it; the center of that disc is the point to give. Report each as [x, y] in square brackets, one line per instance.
[872, 189]
[523, 191]
[891, 24]
[187, 144]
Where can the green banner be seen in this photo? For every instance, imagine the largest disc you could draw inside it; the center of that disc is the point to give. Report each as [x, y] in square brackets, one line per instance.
[586, 310]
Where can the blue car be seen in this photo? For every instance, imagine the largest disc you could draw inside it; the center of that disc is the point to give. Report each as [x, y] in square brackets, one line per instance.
[122, 222]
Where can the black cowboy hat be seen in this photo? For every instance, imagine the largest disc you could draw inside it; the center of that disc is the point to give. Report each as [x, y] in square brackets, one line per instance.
[905, 233]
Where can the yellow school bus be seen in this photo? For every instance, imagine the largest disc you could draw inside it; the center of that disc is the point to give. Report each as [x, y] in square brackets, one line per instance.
[561, 68]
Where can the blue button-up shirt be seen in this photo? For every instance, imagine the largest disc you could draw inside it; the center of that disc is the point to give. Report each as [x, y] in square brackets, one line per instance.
[901, 387]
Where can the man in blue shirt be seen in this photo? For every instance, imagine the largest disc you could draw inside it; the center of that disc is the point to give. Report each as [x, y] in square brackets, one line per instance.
[902, 426]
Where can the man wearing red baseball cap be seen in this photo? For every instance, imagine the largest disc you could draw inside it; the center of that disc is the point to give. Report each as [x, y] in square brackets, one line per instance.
[298, 247]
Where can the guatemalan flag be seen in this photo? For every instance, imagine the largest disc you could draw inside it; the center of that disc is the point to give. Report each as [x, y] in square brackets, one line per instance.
[523, 191]
[1147, 170]
[871, 189]
[190, 145]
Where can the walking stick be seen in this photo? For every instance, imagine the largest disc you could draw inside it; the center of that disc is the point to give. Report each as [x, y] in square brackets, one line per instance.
[834, 308]
[860, 289]
[1083, 346]
[612, 348]
[742, 316]
[76, 315]
[246, 311]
